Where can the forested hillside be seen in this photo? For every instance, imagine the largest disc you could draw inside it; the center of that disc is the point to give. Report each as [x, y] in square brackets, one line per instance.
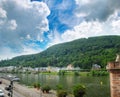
[81, 52]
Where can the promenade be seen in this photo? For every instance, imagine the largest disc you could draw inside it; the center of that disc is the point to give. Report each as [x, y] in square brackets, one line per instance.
[24, 91]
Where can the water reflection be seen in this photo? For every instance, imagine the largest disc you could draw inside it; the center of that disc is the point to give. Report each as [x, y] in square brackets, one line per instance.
[93, 84]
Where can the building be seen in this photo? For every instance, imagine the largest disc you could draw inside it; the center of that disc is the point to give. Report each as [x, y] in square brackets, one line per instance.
[96, 67]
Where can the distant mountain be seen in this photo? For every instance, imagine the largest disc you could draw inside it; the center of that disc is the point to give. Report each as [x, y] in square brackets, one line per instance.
[82, 52]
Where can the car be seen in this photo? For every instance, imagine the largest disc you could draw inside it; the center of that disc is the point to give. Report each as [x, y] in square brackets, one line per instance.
[7, 88]
[0, 81]
[1, 93]
[15, 78]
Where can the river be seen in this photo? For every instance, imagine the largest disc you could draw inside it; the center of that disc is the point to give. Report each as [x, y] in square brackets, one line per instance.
[95, 86]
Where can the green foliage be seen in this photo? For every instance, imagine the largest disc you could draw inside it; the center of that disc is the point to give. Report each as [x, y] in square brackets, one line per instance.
[76, 73]
[59, 87]
[81, 53]
[79, 90]
[61, 93]
[46, 88]
[99, 73]
[36, 85]
[61, 72]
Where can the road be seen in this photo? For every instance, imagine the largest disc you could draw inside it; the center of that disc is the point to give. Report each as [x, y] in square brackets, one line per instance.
[23, 91]
[15, 94]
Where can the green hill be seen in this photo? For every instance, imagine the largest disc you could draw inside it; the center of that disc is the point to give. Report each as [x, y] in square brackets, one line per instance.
[82, 52]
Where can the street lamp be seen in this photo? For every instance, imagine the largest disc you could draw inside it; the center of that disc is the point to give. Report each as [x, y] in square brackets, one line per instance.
[10, 87]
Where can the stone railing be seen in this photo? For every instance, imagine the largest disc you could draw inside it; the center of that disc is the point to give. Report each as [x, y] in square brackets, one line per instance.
[113, 65]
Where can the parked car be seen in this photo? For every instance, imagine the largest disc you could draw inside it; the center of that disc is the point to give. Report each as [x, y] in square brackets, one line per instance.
[7, 88]
[0, 82]
[15, 78]
[1, 93]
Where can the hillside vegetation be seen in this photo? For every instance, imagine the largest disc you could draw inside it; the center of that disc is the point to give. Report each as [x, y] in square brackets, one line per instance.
[82, 52]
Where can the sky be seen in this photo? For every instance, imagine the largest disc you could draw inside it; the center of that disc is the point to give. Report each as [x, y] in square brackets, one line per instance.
[31, 26]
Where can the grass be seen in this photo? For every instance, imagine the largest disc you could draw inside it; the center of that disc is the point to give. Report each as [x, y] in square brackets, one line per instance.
[84, 73]
[66, 73]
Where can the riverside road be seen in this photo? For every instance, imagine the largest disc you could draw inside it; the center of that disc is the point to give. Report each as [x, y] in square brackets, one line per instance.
[15, 94]
[23, 91]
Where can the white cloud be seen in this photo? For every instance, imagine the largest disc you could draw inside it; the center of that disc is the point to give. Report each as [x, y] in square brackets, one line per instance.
[55, 38]
[6, 53]
[82, 2]
[2, 13]
[28, 36]
[83, 30]
[21, 21]
[97, 9]
[12, 25]
[28, 50]
[116, 26]
[93, 28]
[88, 29]
[81, 14]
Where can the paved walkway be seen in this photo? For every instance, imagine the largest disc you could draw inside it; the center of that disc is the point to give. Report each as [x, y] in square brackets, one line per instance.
[28, 92]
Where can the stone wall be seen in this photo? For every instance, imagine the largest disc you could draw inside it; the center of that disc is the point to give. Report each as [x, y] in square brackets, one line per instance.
[114, 69]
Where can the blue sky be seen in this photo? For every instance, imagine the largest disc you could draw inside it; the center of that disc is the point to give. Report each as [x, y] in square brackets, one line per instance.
[30, 27]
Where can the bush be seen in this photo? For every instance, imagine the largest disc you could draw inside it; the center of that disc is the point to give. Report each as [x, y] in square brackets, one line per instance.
[59, 87]
[36, 85]
[46, 89]
[61, 72]
[79, 90]
[61, 93]
[76, 73]
[99, 73]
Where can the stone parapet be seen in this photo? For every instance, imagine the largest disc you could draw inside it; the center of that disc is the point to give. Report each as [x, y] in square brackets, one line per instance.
[113, 66]
[114, 69]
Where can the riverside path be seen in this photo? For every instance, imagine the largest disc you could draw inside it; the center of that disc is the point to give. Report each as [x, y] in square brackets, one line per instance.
[23, 91]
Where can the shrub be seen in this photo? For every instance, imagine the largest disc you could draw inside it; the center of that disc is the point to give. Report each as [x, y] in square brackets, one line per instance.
[46, 89]
[79, 90]
[76, 73]
[99, 73]
[61, 72]
[36, 85]
[59, 87]
[61, 93]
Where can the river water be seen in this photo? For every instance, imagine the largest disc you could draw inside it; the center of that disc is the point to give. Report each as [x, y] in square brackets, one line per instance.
[95, 86]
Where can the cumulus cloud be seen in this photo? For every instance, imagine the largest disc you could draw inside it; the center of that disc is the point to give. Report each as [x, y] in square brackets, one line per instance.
[2, 13]
[54, 38]
[85, 18]
[12, 25]
[21, 21]
[97, 9]
[93, 28]
[83, 30]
